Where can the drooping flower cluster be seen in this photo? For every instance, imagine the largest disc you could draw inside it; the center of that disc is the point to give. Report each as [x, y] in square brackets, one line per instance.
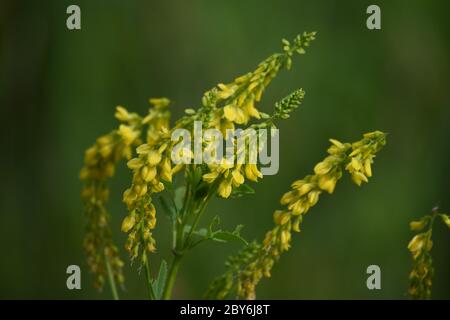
[421, 276]
[151, 166]
[99, 164]
[304, 194]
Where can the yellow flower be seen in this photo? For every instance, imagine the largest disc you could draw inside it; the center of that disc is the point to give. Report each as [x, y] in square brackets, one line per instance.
[416, 245]
[327, 182]
[128, 223]
[159, 102]
[235, 114]
[323, 167]
[418, 225]
[446, 219]
[225, 188]
[154, 157]
[135, 164]
[122, 114]
[252, 173]
[128, 134]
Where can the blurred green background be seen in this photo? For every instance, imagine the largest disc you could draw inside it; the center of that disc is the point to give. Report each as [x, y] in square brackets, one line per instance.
[59, 88]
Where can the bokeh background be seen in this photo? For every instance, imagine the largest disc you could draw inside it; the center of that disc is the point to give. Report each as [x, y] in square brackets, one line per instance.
[59, 88]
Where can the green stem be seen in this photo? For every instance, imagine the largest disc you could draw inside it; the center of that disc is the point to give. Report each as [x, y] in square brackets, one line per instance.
[151, 293]
[195, 224]
[189, 207]
[112, 281]
[171, 277]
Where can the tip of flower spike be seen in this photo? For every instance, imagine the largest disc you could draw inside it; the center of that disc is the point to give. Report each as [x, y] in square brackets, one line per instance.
[159, 103]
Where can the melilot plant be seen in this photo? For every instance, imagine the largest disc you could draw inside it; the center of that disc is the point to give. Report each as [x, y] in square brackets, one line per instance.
[183, 189]
[421, 275]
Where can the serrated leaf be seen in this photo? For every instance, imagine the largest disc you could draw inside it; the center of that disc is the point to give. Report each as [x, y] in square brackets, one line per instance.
[158, 283]
[225, 236]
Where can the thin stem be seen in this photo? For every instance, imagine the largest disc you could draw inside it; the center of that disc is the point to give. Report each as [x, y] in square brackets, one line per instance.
[151, 293]
[171, 277]
[112, 281]
[195, 224]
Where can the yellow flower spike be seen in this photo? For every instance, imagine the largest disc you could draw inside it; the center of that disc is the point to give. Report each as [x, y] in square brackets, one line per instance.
[99, 165]
[304, 194]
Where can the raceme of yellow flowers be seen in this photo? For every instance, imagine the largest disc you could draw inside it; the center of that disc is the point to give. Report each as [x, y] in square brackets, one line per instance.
[356, 158]
[152, 166]
[147, 144]
[99, 165]
[420, 246]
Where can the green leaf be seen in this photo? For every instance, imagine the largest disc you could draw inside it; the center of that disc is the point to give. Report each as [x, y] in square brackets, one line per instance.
[226, 236]
[179, 195]
[202, 232]
[218, 235]
[215, 222]
[168, 210]
[158, 283]
[243, 189]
